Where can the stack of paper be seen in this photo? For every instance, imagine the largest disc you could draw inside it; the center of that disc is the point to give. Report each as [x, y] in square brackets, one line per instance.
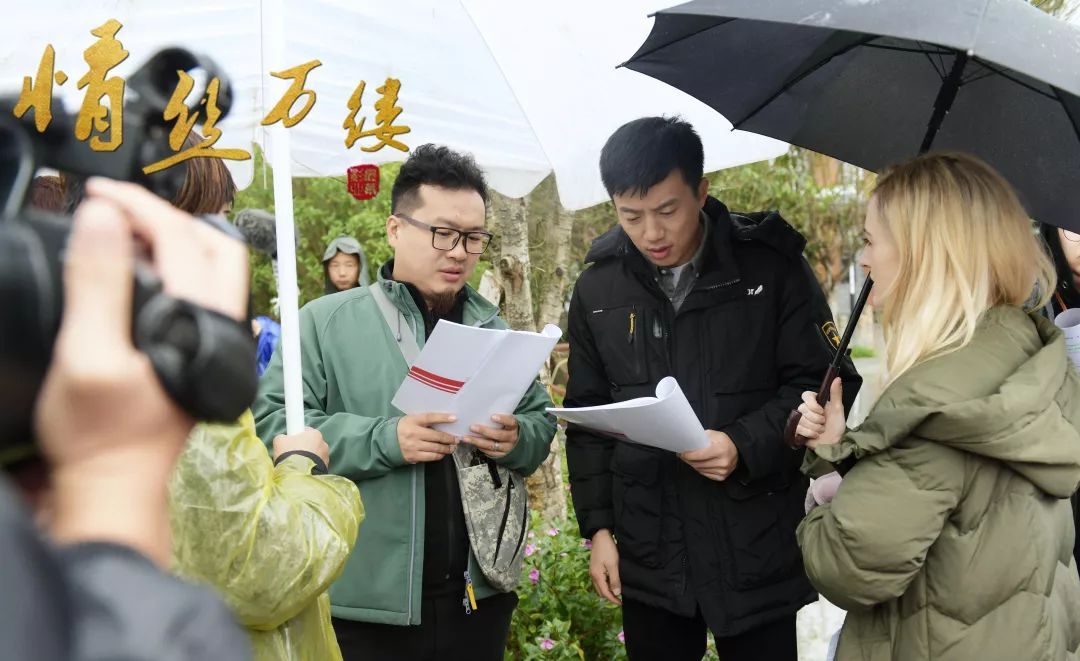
[474, 373]
[666, 421]
[1069, 322]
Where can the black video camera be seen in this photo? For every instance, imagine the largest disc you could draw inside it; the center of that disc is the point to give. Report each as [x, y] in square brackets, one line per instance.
[205, 361]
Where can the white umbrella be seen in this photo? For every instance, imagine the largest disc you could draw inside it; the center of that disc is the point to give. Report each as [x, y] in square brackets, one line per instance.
[528, 88]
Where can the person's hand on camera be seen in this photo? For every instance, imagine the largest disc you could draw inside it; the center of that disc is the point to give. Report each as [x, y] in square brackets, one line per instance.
[103, 420]
[309, 440]
[419, 442]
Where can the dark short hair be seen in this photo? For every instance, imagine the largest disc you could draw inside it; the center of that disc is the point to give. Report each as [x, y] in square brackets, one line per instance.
[435, 165]
[642, 153]
[47, 192]
[208, 187]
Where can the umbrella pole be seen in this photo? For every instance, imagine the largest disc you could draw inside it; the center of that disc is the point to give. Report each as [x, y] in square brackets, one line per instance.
[791, 435]
[288, 293]
[945, 98]
[950, 85]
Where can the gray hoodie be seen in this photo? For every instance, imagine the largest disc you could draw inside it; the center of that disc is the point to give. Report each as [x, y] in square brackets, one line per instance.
[349, 246]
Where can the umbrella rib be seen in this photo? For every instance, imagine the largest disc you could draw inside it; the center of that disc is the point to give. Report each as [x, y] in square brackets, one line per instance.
[941, 61]
[797, 79]
[902, 49]
[1005, 74]
[656, 16]
[1065, 107]
[940, 72]
[986, 73]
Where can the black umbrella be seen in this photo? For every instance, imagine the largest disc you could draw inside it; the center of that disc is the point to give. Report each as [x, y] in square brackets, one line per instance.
[873, 82]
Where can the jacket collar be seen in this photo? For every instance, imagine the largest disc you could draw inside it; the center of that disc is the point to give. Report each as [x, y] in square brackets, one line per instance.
[476, 310]
[718, 262]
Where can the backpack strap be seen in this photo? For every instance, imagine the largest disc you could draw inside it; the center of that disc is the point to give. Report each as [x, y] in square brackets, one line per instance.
[397, 323]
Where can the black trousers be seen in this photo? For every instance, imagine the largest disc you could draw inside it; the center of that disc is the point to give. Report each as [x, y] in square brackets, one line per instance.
[654, 634]
[445, 633]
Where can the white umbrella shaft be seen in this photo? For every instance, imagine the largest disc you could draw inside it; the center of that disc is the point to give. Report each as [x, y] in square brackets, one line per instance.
[288, 292]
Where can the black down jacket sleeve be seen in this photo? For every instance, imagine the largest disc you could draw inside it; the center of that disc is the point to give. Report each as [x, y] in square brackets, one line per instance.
[588, 455]
[804, 350]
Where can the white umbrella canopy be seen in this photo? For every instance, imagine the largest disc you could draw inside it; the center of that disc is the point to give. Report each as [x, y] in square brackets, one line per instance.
[529, 88]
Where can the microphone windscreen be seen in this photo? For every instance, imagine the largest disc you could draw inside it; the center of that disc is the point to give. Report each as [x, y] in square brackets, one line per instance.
[258, 228]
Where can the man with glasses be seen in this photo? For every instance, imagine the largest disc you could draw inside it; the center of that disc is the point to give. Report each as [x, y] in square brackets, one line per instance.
[403, 594]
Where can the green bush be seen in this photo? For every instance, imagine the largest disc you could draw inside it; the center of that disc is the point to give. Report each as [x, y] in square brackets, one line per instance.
[559, 615]
[858, 351]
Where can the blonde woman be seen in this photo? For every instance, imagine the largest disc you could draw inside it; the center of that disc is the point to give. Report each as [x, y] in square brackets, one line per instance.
[951, 537]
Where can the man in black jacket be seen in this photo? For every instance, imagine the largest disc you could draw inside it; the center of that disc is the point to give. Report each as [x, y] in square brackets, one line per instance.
[727, 305]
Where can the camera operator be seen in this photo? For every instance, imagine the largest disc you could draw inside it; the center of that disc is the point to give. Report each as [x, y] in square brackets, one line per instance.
[112, 436]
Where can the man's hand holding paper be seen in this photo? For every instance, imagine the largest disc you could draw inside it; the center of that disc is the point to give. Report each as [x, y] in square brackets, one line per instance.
[716, 461]
[476, 374]
[492, 441]
[420, 442]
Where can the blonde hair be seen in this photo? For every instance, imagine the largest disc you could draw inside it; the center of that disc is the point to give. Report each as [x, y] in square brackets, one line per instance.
[965, 244]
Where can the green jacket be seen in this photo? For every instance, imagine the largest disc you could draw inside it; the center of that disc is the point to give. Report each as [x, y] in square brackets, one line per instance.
[952, 536]
[271, 539]
[352, 368]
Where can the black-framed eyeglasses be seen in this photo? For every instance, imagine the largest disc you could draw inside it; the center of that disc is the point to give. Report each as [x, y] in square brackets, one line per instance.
[447, 238]
[1071, 236]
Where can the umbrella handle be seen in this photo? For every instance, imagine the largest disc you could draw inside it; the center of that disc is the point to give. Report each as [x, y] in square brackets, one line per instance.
[791, 436]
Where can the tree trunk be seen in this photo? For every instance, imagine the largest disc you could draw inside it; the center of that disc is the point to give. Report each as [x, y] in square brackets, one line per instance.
[490, 288]
[553, 300]
[512, 262]
[547, 494]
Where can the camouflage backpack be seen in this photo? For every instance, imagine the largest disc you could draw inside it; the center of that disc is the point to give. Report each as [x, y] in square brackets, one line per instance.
[493, 497]
[496, 514]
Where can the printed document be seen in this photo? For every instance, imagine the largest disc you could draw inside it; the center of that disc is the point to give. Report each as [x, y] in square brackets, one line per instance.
[474, 373]
[666, 421]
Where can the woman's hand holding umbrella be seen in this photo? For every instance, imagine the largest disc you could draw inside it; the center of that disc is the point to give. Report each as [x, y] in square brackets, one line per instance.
[823, 425]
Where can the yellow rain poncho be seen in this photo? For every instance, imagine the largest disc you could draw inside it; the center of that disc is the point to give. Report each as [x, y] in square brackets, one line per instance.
[270, 539]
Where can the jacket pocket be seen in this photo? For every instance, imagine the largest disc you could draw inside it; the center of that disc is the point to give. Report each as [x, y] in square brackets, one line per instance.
[757, 526]
[638, 500]
[621, 338]
[739, 343]
[733, 395]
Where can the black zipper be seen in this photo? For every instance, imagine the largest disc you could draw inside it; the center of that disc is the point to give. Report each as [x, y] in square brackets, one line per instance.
[502, 526]
[704, 380]
[682, 585]
[493, 471]
[722, 284]
[524, 526]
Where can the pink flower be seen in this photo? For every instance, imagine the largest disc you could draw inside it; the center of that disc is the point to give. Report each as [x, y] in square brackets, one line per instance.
[547, 644]
[534, 576]
[621, 637]
[531, 534]
[529, 550]
[552, 532]
[586, 543]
